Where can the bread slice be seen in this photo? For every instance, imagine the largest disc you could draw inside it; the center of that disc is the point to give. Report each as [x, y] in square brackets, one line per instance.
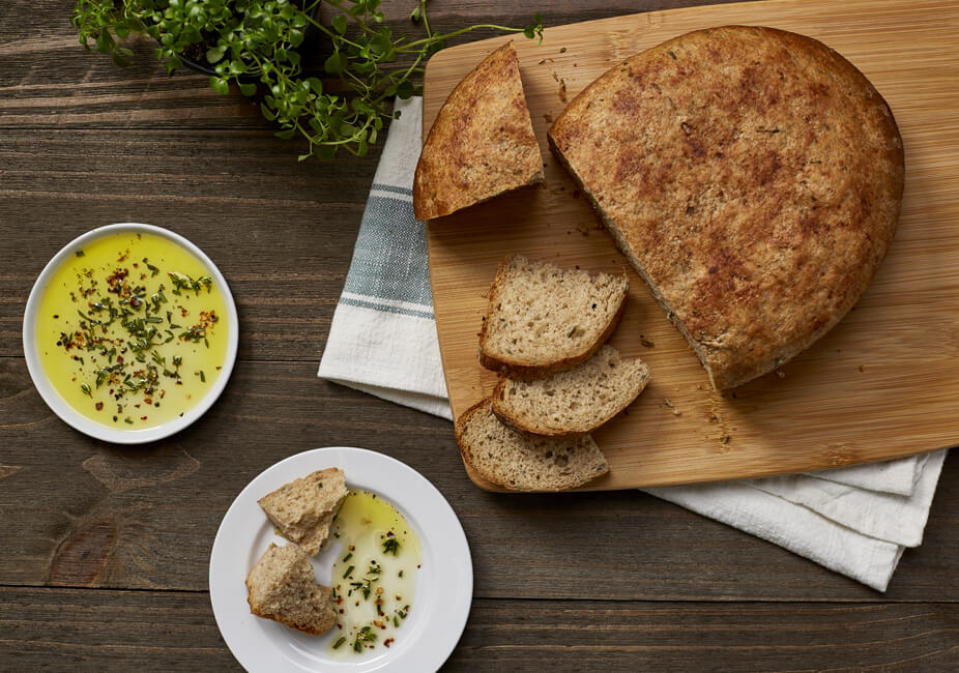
[482, 142]
[304, 509]
[522, 463]
[572, 403]
[282, 587]
[753, 177]
[543, 319]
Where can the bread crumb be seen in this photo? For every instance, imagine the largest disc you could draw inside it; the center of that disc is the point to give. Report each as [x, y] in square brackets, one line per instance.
[780, 373]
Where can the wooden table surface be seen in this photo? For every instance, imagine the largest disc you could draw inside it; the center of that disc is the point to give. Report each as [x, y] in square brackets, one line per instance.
[104, 549]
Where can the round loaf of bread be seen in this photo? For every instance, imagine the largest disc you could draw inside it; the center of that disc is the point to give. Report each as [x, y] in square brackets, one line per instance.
[754, 179]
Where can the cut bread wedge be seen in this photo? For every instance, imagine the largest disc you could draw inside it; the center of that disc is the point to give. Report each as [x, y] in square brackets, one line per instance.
[303, 509]
[544, 319]
[482, 142]
[572, 403]
[522, 463]
[282, 587]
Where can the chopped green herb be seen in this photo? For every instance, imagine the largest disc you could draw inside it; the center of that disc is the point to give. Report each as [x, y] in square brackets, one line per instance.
[86, 390]
[391, 546]
[348, 571]
[80, 253]
[347, 557]
[203, 379]
[340, 641]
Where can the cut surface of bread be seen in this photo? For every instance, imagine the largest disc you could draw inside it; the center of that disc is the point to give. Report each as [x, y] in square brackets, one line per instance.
[304, 508]
[752, 176]
[482, 142]
[544, 319]
[282, 587]
[522, 463]
[574, 402]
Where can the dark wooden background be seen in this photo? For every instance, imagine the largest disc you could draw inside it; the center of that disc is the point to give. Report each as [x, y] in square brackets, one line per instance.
[104, 549]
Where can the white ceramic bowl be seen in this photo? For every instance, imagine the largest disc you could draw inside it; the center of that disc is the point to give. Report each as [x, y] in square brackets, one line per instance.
[74, 418]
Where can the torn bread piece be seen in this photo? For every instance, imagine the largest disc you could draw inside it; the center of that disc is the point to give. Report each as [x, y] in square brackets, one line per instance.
[282, 587]
[304, 508]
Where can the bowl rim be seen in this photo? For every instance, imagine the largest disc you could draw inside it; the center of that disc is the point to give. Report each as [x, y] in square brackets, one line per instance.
[74, 418]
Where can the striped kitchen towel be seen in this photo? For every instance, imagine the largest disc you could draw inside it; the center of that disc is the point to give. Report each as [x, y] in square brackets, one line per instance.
[383, 337]
[856, 520]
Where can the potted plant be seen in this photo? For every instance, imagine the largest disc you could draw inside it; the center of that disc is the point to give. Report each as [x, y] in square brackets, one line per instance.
[255, 41]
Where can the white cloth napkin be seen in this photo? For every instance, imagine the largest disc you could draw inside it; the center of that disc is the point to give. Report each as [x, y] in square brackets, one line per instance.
[855, 520]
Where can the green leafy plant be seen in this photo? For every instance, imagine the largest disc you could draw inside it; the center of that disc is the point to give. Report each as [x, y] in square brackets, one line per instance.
[246, 41]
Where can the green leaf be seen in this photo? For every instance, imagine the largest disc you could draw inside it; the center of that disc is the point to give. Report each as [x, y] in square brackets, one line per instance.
[286, 134]
[267, 112]
[334, 64]
[339, 24]
[220, 85]
[214, 54]
[303, 157]
[104, 41]
[415, 15]
[316, 85]
[326, 152]
[248, 89]
[405, 89]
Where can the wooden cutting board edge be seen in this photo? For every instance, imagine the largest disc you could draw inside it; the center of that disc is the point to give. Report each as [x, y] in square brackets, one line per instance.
[649, 19]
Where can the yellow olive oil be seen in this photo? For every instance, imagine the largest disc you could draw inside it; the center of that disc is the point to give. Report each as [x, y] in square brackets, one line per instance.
[374, 576]
[132, 331]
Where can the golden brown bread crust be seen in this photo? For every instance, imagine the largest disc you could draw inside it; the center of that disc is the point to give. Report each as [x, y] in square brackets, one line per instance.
[753, 177]
[482, 142]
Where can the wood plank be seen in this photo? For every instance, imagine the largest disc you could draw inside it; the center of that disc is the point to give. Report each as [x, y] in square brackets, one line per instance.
[707, 637]
[122, 630]
[882, 384]
[79, 513]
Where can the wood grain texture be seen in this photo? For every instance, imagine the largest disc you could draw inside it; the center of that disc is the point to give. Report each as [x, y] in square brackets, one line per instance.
[105, 550]
[164, 631]
[855, 396]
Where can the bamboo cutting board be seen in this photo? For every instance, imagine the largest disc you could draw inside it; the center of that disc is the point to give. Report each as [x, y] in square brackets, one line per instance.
[884, 383]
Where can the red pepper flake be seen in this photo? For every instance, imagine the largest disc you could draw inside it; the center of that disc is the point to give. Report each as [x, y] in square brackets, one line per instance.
[389, 641]
[99, 406]
[143, 418]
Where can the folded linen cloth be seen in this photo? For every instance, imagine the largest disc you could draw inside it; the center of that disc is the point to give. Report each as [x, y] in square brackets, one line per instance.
[855, 520]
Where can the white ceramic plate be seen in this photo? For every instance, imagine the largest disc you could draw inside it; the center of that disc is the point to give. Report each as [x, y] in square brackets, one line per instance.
[67, 413]
[444, 583]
